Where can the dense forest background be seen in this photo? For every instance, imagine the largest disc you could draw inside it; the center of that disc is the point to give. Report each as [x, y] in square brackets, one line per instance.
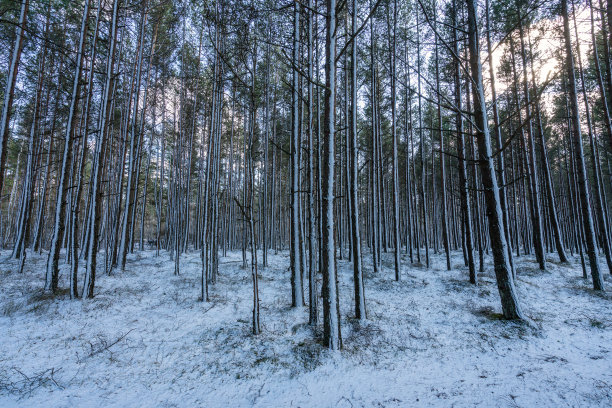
[330, 203]
[331, 129]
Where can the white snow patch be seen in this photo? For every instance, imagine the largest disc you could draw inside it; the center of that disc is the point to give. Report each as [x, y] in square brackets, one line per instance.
[432, 339]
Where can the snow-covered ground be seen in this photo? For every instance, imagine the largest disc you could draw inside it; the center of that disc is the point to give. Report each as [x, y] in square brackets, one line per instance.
[430, 340]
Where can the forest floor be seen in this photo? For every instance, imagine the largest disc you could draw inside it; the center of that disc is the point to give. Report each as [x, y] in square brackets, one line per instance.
[432, 339]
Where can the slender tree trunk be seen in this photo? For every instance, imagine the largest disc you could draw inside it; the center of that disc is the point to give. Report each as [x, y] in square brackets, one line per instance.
[396, 240]
[99, 159]
[297, 291]
[11, 82]
[331, 307]
[360, 308]
[52, 274]
[536, 213]
[313, 316]
[442, 156]
[463, 185]
[585, 200]
[126, 224]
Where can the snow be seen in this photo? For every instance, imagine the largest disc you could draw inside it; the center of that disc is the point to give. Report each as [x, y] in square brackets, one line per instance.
[432, 339]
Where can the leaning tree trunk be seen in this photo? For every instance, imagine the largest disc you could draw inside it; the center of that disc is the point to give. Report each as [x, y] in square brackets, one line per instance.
[505, 284]
[98, 165]
[52, 275]
[126, 224]
[500, 161]
[583, 189]
[27, 197]
[9, 92]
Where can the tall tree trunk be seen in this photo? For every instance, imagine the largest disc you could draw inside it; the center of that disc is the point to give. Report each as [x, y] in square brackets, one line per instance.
[360, 308]
[78, 175]
[585, 200]
[503, 272]
[331, 306]
[126, 223]
[297, 290]
[11, 82]
[313, 315]
[442, 155]
[500, 161]
[99, 159]
[396, 240]
[463, 185]
[52, 274]
[536, 213]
